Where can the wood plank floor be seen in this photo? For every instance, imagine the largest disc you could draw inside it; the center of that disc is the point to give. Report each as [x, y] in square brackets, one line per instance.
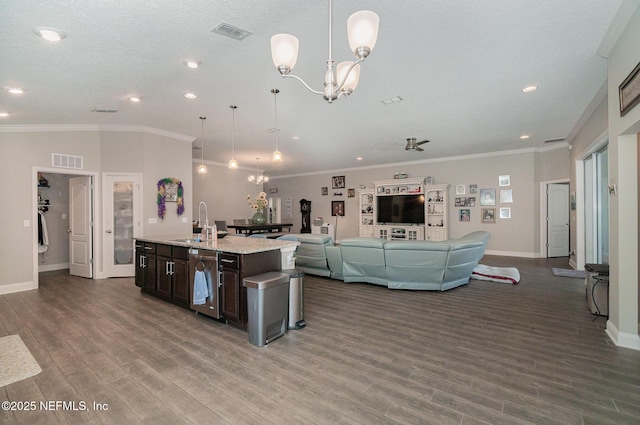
[484, 353]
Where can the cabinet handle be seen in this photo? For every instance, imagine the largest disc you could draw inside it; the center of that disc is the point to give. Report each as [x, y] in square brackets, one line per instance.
[148, 248]
[224, 260]
[171, 268]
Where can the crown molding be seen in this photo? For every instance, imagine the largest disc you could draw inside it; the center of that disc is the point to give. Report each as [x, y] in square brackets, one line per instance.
[94, 127]
[562, 145]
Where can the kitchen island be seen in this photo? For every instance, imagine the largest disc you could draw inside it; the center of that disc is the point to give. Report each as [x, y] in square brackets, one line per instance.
[165, 267]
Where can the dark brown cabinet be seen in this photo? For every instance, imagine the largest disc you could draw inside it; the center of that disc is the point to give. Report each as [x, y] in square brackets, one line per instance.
[234, 268]
[145, 276]
[163, 270]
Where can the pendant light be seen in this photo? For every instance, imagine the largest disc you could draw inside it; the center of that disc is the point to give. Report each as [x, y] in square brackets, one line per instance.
[277, 155]
[233, 164]
[202, 169]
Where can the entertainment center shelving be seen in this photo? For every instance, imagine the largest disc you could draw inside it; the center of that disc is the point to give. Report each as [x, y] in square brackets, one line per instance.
[433, 226]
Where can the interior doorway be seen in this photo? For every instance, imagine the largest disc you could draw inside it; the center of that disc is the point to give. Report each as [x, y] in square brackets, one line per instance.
[52, 199]
[558, 220]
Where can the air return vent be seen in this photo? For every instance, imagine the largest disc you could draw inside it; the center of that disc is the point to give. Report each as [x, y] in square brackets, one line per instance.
[60, 160]
[232, 32]
[554, 140]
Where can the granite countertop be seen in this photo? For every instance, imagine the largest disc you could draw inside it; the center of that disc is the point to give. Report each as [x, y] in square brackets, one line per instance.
[233, 244]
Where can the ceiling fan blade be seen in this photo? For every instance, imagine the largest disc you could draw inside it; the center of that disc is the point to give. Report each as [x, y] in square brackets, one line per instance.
[423, 142]
[419, 149]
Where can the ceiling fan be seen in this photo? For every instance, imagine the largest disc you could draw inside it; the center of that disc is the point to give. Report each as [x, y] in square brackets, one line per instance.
[413, 145]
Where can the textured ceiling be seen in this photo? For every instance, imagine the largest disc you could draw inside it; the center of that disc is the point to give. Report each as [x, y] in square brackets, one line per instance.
[459, 65]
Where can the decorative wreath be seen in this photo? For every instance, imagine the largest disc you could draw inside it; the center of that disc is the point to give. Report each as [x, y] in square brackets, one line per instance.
[162, 187]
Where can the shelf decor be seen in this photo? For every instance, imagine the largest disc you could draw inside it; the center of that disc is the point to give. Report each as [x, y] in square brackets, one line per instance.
[170, 190]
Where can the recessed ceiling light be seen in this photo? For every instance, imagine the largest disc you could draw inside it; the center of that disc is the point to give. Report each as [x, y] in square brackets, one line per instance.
[134, 99]
[359, 158]
[529, 89]
[49, 34]
[295, 138]
[190, 95]
[14, 90]
[4, 114]
[524, 136]
[192, 64]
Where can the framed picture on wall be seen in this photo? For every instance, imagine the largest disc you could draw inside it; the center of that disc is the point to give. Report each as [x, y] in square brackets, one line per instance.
[351, 193]
[506, 196]
[338, 182]
[505, 212]
[504, 180]
[487, 196]
[324, 190]
[460, 189]
[337, 208]
[488, 215]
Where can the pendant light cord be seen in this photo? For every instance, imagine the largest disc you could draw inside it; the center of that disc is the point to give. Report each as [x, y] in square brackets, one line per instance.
[202, 135]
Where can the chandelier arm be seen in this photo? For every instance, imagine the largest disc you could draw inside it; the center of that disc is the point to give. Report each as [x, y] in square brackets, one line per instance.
[303, 83]
[346, 75]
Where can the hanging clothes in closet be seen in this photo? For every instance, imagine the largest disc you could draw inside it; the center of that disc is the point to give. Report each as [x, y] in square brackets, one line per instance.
[43, 236]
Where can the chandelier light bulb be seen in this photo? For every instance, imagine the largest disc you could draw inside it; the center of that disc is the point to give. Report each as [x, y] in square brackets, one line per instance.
[233, 164]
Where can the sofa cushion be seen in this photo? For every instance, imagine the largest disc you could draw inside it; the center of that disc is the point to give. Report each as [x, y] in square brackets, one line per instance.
[364, 242]
[416, 264]
[363, 260]
[313, 239]
[464, 256]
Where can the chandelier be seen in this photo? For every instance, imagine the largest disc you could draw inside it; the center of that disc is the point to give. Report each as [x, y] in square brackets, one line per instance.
[258, 178]
[362, 29]
[202, 169]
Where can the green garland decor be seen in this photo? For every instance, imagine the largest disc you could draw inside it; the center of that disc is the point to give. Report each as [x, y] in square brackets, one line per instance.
[162, 186]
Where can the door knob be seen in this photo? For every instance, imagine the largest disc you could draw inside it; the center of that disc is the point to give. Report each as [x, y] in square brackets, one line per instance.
[108, 231]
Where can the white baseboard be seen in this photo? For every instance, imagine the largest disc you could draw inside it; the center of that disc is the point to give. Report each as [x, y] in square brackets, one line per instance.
[622, 339]
[52, 267]
[17, 287]
[513, 254]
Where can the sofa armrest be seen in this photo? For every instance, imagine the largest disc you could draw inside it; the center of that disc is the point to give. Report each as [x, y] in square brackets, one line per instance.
[334, 259]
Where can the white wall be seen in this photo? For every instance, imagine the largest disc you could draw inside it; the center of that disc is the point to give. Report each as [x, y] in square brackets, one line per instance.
[482, 170]
[224, 191]
[25, 149]
[622, 325]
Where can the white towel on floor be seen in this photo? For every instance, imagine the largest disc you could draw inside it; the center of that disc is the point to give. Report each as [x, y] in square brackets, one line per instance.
[200, 288]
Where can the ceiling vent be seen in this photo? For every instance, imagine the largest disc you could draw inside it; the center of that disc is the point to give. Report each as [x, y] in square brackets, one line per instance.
[554, 140]
[60, 160]
[230, 31]
[105, 110]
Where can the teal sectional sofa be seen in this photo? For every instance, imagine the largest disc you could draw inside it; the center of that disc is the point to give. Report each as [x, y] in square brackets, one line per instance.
[415, 265]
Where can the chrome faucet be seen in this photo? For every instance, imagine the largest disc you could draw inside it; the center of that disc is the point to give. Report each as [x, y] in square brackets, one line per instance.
[206, 214]
[209, 231]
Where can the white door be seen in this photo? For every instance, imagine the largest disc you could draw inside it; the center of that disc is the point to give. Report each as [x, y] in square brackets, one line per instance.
[80, 227]
[121, 202]
[557, 220]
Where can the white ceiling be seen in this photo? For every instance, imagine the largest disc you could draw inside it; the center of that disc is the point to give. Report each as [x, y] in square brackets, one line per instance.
[459, 65]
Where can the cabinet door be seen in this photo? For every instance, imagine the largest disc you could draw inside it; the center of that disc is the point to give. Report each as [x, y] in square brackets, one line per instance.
[163, 280]
[149, 283]
[230, 294]
[180, 282]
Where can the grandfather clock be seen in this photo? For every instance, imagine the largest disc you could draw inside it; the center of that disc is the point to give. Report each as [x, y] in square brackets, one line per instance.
[305, 209]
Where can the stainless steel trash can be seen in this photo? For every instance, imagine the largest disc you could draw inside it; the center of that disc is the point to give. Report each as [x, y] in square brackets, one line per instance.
[267, 306]
[296, 298]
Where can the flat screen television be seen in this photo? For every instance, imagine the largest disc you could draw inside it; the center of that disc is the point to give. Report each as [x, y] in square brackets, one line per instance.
[400, 209]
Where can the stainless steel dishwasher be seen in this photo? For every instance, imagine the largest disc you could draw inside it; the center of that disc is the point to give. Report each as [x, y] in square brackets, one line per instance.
[207, 262]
